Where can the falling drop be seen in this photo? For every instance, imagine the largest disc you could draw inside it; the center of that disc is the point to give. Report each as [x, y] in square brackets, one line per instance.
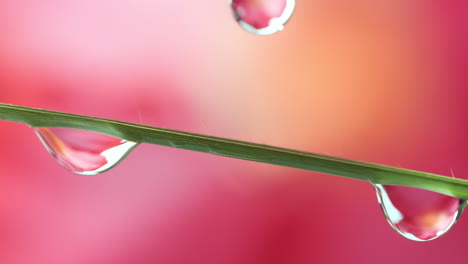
[84, 152]
[418, 214]
[262, 17]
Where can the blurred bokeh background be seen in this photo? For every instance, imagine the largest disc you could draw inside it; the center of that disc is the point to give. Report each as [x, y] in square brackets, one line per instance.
[380, 81]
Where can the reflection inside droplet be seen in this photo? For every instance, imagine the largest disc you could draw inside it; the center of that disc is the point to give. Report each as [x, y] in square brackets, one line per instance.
[417, 214]
[84, 152]
[262, 17]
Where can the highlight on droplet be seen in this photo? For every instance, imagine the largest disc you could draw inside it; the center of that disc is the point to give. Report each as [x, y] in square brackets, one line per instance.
[262, 17]
[84, 152]
[418, 214]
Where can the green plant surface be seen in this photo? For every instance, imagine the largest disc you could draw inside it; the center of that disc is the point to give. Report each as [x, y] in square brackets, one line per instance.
[375, 173]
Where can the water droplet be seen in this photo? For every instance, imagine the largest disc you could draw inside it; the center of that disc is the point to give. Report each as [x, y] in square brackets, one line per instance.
[262, 17]
[418, 214]
[84, 152]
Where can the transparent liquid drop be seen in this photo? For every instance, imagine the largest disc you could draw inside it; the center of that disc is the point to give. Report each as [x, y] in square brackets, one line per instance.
[417, 214]
[262, 17]
[84, 152]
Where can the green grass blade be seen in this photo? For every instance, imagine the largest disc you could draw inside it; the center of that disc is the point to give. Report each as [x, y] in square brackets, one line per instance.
[375, 173]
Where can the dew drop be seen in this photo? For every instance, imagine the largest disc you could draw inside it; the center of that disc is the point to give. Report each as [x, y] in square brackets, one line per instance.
[262, 17]
[418, 214]
[84, 152]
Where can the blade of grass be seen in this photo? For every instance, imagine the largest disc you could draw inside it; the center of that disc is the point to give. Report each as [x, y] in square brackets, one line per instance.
[375, 173]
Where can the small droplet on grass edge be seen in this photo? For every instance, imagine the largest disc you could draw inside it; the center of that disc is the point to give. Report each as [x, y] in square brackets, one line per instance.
[84, 152]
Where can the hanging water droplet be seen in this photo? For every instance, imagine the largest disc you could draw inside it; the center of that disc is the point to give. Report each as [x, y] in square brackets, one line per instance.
[262, 17]
[418, 214]
[84, 152]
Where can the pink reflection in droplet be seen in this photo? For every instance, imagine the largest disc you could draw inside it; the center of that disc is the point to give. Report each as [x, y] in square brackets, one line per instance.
[262, 16]
[417, 214]
[84, 152]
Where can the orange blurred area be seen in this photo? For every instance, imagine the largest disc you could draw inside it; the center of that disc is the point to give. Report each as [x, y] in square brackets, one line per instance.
[379, 81]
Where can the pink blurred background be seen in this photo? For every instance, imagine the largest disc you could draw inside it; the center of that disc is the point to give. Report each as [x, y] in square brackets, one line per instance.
[380, 81]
